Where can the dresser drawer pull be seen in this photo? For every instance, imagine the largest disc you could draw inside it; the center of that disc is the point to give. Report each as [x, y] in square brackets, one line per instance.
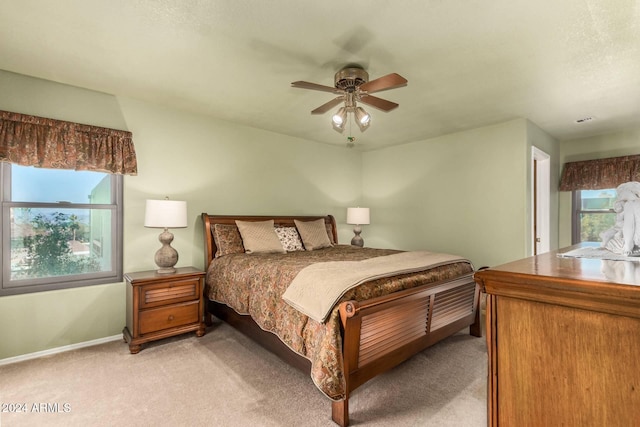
[170, 318]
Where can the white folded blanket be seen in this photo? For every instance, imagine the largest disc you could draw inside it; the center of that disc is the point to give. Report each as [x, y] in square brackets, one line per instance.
[318, 287]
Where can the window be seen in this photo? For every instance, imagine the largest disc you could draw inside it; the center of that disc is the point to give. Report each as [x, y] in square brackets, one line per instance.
[592, 214]
[60, 228]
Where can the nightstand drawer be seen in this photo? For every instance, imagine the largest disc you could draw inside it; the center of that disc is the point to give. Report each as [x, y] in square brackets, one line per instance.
[169, 293]
[169, 317]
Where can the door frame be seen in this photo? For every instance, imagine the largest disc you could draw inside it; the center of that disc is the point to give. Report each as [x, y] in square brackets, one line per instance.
[541, 195]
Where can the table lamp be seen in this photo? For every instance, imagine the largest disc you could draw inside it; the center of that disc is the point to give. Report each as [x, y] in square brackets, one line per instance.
[166, 214]
[357, 216]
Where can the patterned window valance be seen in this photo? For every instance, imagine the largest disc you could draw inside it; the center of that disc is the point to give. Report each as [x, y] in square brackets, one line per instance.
[600, 173]
[56, 144]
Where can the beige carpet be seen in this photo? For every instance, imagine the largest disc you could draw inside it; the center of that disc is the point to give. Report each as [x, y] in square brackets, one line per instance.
[224, 379]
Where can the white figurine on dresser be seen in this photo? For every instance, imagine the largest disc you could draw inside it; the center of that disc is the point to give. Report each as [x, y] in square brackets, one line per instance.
[624, 237]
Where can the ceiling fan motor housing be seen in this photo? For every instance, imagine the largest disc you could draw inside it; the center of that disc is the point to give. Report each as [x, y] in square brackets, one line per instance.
[348, 79]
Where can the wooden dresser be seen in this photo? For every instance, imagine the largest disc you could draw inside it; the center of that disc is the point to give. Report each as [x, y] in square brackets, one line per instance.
[563, 340]
[163, 305]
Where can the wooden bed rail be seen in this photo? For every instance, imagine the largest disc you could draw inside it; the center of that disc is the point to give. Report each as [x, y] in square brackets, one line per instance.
[380, 333]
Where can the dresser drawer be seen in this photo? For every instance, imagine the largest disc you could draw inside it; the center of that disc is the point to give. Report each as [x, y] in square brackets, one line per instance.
[157, 319]
[154, 295]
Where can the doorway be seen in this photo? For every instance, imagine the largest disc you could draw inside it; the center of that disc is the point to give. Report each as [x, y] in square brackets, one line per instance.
[541, 200]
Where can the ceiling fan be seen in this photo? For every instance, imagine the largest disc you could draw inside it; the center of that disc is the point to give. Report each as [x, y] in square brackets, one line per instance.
[352, 85]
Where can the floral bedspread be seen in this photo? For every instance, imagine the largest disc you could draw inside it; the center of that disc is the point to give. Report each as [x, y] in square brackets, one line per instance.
[253, 284]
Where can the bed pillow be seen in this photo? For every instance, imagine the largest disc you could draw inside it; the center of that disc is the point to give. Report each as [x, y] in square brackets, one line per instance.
[329, 228]
[259, 237]
[290, 239]
[314, 234]
[227, 239]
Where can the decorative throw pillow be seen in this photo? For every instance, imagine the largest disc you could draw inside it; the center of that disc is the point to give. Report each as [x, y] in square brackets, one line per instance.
[227, 239]
[259, 236]
[314, 234]
[290, 239]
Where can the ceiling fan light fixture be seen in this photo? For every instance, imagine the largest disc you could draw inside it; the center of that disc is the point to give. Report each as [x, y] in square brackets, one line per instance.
[362, 117]
[339, 119]
[338, 128]
[364, 126]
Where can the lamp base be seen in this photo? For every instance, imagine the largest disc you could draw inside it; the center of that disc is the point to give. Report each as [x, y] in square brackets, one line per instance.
[166, 257]
[357, 240]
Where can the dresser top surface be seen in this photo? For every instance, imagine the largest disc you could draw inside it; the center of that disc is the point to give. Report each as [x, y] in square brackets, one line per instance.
[574, 271]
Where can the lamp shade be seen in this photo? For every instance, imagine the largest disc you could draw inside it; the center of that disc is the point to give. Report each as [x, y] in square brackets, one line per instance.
[358, 216]
[165, 214]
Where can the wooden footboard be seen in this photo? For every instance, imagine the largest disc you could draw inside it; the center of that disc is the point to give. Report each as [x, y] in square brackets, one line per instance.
[383, 332]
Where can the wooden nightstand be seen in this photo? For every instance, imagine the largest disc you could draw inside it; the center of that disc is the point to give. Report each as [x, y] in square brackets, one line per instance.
[163, 305]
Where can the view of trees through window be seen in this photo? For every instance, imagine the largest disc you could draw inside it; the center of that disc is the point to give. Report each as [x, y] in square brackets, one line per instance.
[51, 244]
[595, 213]
[60, 223]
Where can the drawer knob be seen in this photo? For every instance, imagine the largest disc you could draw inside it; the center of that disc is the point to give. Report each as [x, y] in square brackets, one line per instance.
[170, 318]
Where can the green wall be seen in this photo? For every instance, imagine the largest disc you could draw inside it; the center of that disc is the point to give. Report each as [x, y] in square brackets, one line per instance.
[215, 166]
[465, 193]
[623, 143]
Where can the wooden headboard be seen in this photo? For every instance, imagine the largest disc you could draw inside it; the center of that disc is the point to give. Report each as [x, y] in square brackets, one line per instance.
[282, 221]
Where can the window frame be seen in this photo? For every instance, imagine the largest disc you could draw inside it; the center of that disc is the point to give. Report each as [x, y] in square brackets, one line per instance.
[13, 287]
[576, 211]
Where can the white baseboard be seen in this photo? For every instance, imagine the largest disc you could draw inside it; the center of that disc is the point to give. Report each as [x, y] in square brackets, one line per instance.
[56, 350]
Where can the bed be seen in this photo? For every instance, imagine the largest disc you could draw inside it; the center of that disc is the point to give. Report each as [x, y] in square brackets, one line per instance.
[375, 323]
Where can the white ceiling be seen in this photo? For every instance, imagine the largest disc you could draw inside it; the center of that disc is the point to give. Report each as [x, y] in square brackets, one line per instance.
[469, 63]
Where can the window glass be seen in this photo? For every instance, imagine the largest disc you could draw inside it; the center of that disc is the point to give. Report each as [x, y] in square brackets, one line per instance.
[60, 229]
[593, 214]
[29, 184]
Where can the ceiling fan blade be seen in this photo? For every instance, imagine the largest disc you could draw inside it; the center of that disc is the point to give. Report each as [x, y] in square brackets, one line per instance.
[390, 81]
[379, 103]
[328, 106]
[314, 86]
